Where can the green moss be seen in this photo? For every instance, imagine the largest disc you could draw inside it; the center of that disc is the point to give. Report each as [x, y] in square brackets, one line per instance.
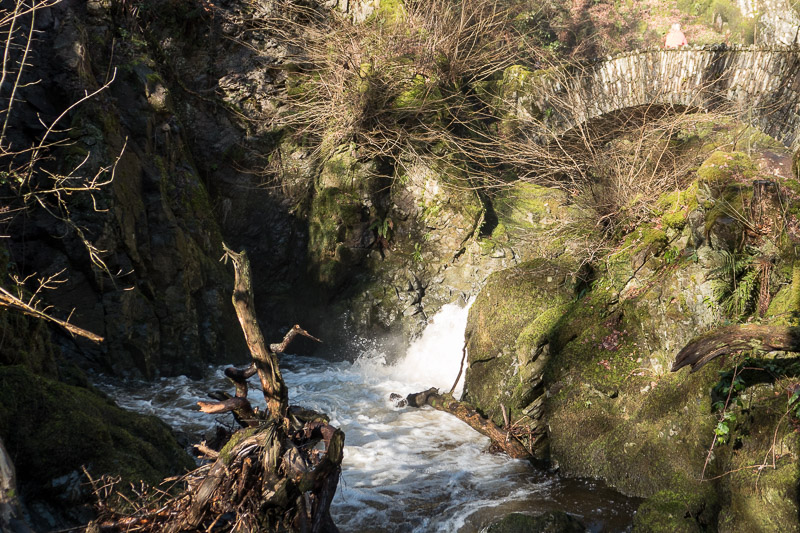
[676, 220]
[732, 201]
[527, 216]
[342, 169]
[763, 499]
[783, 306]
[640, 247]
[794, 299]
[390, 11]
[723, 167]
[419, 93]
[333, 212]
[26, 341]
[154, 78]
[236, 438]
[675, 206]
[665, 512]
[52, 429]
[521, 86]
[554, 521]
[509, 323]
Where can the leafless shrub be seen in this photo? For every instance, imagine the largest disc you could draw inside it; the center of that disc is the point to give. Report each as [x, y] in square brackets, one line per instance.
[27, 179]
[400, 82]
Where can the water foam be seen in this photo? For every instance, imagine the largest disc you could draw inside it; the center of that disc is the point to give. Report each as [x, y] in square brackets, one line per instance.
[404, 470]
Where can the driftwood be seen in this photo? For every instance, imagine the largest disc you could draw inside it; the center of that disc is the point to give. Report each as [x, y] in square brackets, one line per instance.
[501, 438]
[270, 475]
[731, 339]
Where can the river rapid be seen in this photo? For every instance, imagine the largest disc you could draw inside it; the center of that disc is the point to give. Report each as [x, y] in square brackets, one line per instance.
[404, 469]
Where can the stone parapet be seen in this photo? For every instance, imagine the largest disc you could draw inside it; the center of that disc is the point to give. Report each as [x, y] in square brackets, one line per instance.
[763, 82]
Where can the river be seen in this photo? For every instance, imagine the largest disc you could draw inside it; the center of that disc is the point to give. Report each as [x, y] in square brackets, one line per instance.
[404, 469]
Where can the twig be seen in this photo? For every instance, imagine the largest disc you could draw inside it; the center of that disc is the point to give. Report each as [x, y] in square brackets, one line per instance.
[463, 359]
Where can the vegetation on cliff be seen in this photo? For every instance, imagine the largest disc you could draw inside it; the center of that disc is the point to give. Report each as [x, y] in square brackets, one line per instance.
[383, 159]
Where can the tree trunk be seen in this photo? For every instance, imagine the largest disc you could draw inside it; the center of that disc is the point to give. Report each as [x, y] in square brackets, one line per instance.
[269, 475]
[731, 339]
[266, 360]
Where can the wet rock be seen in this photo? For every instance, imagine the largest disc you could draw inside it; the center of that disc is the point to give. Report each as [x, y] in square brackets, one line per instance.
[53, 430]
[550, 522]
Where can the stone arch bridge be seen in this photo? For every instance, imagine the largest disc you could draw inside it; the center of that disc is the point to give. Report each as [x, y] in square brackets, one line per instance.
[762, 82]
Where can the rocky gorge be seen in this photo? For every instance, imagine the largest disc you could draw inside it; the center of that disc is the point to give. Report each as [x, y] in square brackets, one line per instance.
[579, 308]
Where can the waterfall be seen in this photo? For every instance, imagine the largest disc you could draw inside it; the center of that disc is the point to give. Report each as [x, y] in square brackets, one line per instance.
[404, 469]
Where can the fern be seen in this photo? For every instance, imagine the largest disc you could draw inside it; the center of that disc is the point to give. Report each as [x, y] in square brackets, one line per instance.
[737, 284]
[742, 297]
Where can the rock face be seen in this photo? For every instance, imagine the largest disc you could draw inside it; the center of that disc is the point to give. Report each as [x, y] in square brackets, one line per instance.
[154, 288]
[778, 22]
[588, 364]
[509, 330]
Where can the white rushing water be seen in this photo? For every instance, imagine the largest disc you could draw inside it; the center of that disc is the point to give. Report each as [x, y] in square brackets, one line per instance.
[404, 470]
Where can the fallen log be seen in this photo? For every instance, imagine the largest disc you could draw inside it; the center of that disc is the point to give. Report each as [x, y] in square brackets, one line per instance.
[500, 437]
[732, 339]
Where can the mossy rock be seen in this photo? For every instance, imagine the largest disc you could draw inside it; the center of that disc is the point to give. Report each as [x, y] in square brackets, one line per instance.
[552, 522]
[639, 439]
[641, 247]
[527, 216]
[722, 167]
[334, 214]
[613, 411]
[52, 429]
[675, 206]
[26, 341]
[666, 512]
[509, 325]
[783, 307]
[763, 499]
[527, 206]
[418, 94]
[521, 86]
[344, 170]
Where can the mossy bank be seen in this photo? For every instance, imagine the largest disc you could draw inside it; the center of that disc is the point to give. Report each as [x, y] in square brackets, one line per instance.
[581, 356]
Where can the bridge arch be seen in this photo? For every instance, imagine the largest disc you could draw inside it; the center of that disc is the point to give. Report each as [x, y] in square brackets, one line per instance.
[764, 82]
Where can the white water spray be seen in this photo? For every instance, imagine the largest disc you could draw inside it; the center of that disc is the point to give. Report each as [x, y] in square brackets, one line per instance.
[432, 360]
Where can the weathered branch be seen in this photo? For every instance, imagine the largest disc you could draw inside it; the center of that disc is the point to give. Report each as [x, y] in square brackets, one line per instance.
[463, 360]
[731, 339]
[240, 407]
[269, 476]
[266, 361]
[12, 302]
[295, 331]
[444, 402]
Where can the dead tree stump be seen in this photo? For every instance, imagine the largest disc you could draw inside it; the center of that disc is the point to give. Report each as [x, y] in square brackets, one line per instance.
[270, 476]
